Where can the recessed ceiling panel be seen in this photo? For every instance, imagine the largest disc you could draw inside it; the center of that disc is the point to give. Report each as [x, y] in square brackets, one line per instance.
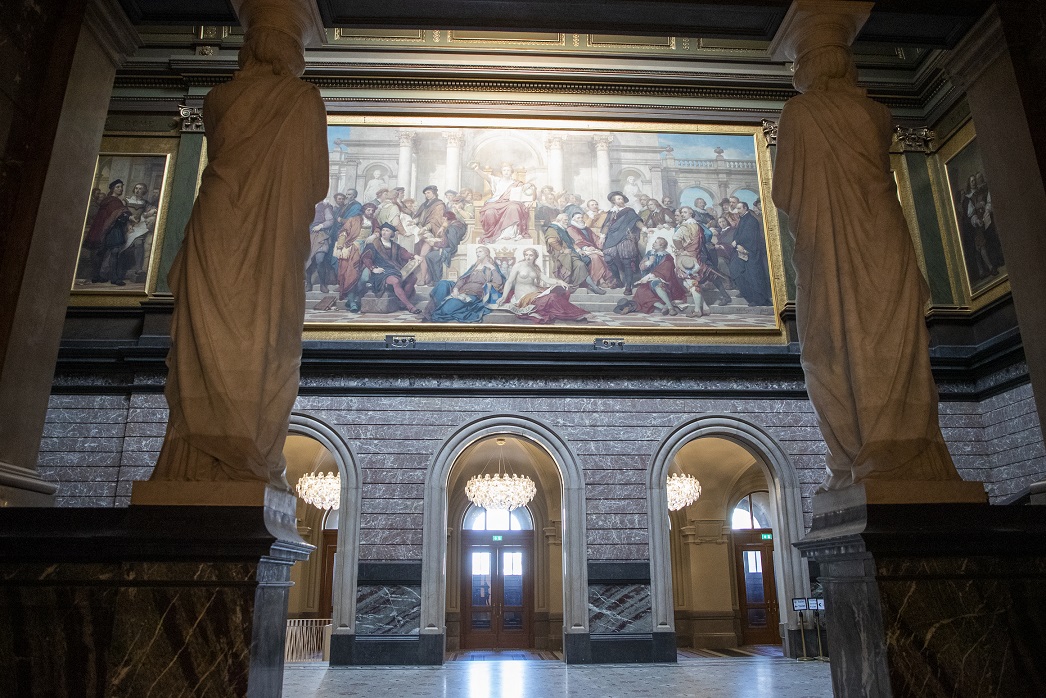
[181, 12]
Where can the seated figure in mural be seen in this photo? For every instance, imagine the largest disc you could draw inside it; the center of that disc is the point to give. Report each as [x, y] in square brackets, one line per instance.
[504, 216]
[660, 288]
[587, 244]
[861, 299]
[534, 297]
[239, 296]
[385, 260]
[472, 296]
[568, 264]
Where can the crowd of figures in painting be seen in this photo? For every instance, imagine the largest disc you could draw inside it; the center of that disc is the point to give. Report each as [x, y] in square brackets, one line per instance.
[502, 226]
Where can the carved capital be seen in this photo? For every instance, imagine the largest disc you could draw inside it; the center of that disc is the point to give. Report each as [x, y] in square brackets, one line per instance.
[603, 141]
[192, 119]
[407, 138]
[914, 140]
[770, 131]
[554, 142]
[455, 139]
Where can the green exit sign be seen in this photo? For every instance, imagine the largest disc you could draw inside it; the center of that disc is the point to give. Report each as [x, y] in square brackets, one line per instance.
[495, 537]
[766, 536]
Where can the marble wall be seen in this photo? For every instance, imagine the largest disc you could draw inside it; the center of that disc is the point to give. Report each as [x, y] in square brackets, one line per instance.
[619, 608]
[388, 609]
[94, 446]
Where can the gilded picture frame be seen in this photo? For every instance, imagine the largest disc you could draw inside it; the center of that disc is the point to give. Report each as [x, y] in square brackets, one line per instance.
[571, 160]
[124, 220]
[963, 202]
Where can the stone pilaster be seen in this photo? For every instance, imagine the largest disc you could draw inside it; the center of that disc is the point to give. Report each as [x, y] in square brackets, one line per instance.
[38, 306]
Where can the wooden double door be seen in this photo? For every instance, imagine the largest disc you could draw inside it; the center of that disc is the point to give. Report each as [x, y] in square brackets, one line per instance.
[756, 586]
[497, 590]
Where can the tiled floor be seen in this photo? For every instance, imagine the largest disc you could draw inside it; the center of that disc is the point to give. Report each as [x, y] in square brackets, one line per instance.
[704, 678]
[502, 655]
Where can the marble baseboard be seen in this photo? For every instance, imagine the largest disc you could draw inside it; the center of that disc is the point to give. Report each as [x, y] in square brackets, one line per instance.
[619, 608]
[388, 609]
[929, 599]
[405, 650]
[124, 625]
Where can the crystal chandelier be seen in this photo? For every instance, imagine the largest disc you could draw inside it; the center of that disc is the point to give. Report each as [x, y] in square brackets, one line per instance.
[683, 490]
[501, 490]
[321, 490]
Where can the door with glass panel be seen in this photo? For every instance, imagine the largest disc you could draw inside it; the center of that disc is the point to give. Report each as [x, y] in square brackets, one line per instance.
[497, 587]
[754, 558]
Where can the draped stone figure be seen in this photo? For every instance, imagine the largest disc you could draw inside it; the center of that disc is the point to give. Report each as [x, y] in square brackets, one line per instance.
[860, 295]
[237, 279]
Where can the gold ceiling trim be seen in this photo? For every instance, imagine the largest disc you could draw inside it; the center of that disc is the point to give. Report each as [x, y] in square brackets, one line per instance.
[495, 37]
[598, 41]
[416, 36]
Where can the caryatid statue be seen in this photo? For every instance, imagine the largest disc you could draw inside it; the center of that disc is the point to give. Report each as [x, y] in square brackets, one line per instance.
[238, 278]
[861, 298]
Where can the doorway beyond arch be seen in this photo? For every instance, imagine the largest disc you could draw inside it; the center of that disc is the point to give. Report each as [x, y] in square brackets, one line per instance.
[344, 615]
[785, 510]
[434, 542]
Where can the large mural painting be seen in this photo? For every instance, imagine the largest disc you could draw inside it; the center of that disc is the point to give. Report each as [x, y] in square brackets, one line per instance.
[474, 226]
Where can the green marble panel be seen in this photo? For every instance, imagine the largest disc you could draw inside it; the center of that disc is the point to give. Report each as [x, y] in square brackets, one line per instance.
[183, 195]
[929, 230]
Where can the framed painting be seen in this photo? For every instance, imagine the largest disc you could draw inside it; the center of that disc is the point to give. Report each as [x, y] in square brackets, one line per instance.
[970, 203]
[125, 214]
[496, 227]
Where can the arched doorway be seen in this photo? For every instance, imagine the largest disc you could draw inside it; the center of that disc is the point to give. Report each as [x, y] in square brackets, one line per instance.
[558, 512]
[732, 457]
[313, 445]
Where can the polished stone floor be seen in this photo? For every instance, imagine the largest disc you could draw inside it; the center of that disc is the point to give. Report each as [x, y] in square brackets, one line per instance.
[704, 678]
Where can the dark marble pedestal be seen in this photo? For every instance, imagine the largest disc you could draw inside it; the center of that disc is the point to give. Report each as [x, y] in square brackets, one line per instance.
[150, 600]
[934, 599]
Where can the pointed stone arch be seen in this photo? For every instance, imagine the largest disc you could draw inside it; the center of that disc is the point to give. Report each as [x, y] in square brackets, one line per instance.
[785, 510]
[346, 567]
[434, 540]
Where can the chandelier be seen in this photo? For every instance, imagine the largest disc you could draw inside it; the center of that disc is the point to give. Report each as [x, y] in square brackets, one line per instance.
[321, 490]
[683, 490]
[501, 490]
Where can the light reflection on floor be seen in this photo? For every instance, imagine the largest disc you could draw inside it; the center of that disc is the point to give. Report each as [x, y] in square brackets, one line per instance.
[706, 678]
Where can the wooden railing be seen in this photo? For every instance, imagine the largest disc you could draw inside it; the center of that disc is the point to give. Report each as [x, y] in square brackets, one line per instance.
[306, 640]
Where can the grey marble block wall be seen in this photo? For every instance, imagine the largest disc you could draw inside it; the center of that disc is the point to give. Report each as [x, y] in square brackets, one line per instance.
[619, 608]
[95, 446]
[83, 447]
[388, 609]
[1014, 439]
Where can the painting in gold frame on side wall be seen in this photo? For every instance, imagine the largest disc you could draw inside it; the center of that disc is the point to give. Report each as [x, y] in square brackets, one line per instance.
[970, 201]
[473, 225]
[126, 210]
